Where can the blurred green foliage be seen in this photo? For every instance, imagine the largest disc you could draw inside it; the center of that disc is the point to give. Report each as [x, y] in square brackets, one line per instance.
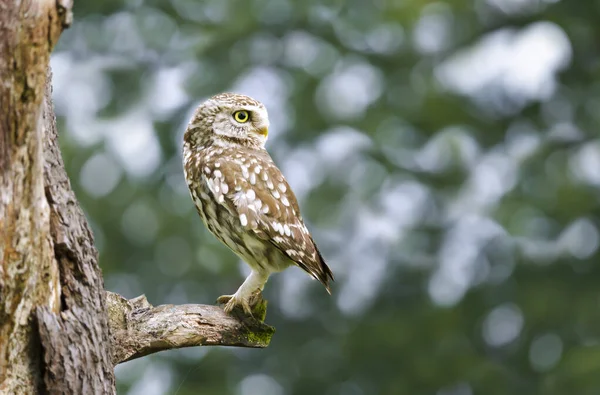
[446, 156]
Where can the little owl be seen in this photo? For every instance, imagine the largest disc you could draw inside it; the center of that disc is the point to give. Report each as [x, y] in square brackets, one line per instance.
[242, 197]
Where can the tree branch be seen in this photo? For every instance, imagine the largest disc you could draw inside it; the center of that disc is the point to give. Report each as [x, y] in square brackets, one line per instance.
[138, 328]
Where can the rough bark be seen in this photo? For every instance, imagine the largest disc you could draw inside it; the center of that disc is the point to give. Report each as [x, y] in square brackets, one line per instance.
[139, 329]
[28, 269]
[76, 342]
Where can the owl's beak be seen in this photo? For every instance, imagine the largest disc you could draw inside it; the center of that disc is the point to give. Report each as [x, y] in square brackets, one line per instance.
[263, 131]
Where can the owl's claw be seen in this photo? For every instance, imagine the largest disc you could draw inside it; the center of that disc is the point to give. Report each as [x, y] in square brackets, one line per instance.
[231, 301]
[224, 299]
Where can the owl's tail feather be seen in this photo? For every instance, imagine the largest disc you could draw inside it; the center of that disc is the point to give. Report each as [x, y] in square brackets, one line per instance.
[317, 268]
[325, 274]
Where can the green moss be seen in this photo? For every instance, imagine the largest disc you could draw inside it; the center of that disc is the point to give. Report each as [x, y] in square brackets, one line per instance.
[259, 311]
[258, 333]
[261, 337]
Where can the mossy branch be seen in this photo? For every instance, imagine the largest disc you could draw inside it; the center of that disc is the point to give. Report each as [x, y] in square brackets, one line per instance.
[138, 328]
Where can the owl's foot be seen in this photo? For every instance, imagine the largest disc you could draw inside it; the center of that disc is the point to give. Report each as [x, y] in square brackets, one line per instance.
[247, 304]
[230, 301]
[248, 294]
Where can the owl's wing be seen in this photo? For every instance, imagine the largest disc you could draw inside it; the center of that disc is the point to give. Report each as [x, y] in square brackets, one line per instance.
[258, 194]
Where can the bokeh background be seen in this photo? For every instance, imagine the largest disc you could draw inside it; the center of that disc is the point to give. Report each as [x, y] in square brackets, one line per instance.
[446, 155]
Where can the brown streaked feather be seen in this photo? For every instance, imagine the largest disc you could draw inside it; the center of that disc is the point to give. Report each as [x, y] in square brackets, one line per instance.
[281, 224]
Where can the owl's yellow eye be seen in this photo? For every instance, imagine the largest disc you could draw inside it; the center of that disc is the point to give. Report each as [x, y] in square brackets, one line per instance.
[241, 116]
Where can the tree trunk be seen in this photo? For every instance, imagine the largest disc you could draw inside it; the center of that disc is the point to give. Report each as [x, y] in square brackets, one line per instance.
[53, 323]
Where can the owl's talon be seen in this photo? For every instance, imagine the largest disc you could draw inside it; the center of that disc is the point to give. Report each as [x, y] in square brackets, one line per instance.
[223, 299]
[231, 301]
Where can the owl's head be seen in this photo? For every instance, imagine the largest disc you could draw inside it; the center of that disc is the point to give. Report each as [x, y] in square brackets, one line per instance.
[229, 119]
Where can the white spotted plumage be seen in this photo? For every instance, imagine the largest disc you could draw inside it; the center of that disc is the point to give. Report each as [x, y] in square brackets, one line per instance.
[243, 198]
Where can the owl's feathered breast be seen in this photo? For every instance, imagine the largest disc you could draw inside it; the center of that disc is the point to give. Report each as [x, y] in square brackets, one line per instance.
[246, 202]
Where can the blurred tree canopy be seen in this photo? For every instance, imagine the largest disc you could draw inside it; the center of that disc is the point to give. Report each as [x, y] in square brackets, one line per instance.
[446, 155]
